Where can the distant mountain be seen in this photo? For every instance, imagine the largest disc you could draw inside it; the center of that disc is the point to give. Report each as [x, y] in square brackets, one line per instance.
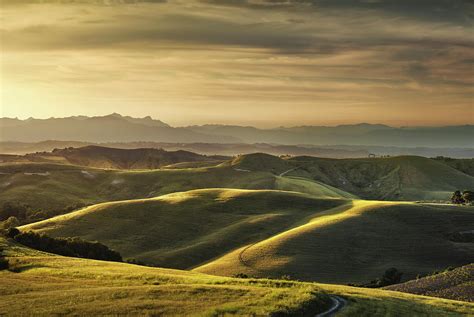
[110, 128]
[358, 134]
[117, 128]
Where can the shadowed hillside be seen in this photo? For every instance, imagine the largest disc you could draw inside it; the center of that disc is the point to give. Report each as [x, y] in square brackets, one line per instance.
[356, 243]
[51, 189]
[272, 233]
[183, 230]
[104, 157]
[395, 178]
[46, 284]
[455, 284]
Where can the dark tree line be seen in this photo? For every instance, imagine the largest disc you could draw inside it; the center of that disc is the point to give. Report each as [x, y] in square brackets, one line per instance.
[25, 214]
[74, 247]
[465, 197]
[390, 277]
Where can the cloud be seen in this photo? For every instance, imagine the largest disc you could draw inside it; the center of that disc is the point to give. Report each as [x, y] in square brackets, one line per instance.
[304, 58]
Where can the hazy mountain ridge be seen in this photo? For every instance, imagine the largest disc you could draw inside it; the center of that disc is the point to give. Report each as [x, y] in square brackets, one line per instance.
[117, 128]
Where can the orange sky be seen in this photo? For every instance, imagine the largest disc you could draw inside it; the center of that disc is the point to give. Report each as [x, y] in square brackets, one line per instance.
[256, 62]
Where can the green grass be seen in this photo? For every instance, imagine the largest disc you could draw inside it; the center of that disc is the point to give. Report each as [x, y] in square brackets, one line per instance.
[397, 178]
[356, 243]
[64, 185]
[273, 233]
[46, 284]
[184, 230]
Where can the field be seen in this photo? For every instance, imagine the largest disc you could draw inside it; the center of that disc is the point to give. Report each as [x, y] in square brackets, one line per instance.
[52, 188]
[45, 284]
[274, 233]
[304, 219]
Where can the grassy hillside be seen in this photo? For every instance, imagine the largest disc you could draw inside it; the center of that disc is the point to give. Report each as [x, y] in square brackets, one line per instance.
[464, 165]
[45, 284]
[457, 284]
[274, 233]
[106, 157]
[51, 188]
[184, 230]
[356, 243]
[395, 178]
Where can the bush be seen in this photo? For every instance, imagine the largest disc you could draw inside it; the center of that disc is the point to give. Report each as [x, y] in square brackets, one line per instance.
[240, 275]
[74, 247]
[11, 222]
[12, 232]
[134, 261]
[390, 277]
[4, 264]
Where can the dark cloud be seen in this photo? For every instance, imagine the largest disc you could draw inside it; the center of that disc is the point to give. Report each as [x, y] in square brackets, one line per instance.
[458, 11]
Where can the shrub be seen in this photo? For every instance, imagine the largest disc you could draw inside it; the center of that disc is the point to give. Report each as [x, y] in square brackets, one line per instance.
[240, 275]
[457, 198]
[11, 222]
[390, 277]
[134, 261]
[4, 264]
[12, 232]
[74, 247]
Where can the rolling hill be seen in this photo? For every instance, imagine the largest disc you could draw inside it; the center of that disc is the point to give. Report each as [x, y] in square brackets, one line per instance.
[47, 284]
[274, 233]
[51, 189]
[356, 243]
[394, 178]
[105, 157]
[457, 284]
[184, 230]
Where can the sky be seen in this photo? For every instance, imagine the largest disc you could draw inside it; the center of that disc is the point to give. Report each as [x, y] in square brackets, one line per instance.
[264, 63]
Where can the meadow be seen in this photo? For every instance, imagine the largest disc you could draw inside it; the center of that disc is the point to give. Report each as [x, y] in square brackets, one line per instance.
[46, 284]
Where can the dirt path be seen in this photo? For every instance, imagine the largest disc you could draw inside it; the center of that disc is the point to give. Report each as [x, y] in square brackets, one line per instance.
[338, 303]
[290, 170]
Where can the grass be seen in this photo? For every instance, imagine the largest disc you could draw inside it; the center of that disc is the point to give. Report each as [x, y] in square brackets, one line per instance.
[455, 284]
[183, 230]
[46, 284]
[397, 178]
[356, 243]
[268, 233]
[65, 185]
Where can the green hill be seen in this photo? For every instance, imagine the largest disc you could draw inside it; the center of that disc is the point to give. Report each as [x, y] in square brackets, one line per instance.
[274, 233]
[395, 178]
[184, 230]
[45, 284]
[114, 158]
[356, 243]
[455, 284]
[52, 189]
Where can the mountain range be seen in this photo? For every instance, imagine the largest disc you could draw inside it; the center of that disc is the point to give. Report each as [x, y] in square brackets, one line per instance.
[118, 128]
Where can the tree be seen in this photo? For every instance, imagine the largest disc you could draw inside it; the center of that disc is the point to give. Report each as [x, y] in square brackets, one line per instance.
[468, 196]
[4, 264]
[13, 232]
[12, 210]
[457, 198]
[11, 222]
[391, 276]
